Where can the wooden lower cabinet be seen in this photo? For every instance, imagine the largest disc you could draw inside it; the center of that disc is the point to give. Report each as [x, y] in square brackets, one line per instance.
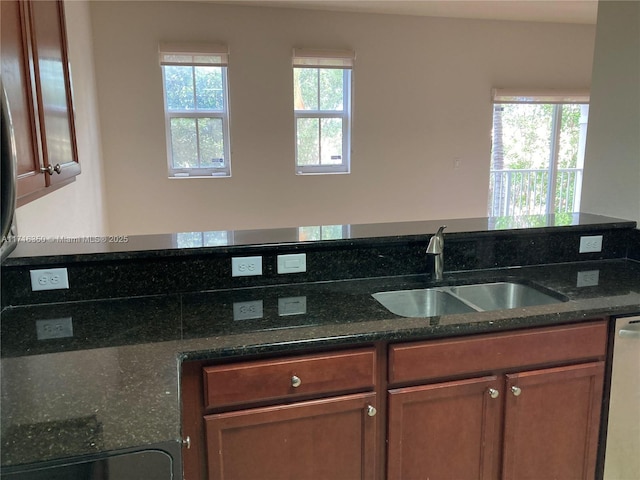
[445, 431]
[332, 438]
[552, 424]
[453, 430]
[511, 405]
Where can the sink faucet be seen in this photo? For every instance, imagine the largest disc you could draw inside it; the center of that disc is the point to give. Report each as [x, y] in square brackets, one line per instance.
[436, 248]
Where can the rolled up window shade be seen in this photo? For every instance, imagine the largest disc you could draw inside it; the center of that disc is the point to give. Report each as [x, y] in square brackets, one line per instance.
[303, 57]
[194, 54]
[516, 95]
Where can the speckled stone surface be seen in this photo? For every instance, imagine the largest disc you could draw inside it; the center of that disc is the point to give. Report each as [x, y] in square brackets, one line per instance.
[634, 245]
[108, 379]
[39, 250]
[158, 265]
[114, 384]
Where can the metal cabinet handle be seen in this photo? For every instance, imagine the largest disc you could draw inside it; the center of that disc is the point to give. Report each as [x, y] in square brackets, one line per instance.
[371, 410]
[57, 168]
[516, 391]
[295, 381]
[493, 393]
[186, 442]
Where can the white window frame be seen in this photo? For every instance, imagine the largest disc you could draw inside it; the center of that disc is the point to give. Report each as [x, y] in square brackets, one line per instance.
[197, 55]
[558, 98]
[325, 59]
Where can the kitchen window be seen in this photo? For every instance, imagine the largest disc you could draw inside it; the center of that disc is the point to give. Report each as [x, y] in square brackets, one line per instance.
[537, 152]
[323, 232]
[196, 110]
[322, 110]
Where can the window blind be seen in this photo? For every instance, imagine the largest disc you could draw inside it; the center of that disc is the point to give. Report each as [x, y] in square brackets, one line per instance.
[194, 54]
[511, 95]
[303, 57]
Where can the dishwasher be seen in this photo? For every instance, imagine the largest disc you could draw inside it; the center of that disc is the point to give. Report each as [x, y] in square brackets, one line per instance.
[622, 454]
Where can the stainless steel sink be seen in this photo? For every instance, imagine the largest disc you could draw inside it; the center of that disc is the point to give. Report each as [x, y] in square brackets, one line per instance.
[502, 295]
[426, 302]
[430, 302]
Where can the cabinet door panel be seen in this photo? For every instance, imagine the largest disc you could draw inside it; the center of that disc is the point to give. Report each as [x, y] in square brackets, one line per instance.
[17, 82]
[54, 87]
[445, 431]
[551, 426]
[316, 440]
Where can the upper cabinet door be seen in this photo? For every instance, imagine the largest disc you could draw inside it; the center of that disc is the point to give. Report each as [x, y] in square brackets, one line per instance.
[18, 82]
[36, 77]
[53, 85]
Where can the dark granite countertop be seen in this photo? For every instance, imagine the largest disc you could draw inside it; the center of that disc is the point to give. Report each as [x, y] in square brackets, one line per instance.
[114, 383]
[39, 249]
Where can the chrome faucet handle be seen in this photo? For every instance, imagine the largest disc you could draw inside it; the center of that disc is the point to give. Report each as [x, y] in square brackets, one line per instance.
[436, 243]
[436, 247]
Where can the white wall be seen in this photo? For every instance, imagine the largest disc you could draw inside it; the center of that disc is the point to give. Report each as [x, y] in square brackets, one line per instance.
[77, 209]
[422, 101]
[612, 159]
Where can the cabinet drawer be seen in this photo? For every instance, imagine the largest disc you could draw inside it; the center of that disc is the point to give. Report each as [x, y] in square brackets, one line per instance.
[258, 381]
[414, 361]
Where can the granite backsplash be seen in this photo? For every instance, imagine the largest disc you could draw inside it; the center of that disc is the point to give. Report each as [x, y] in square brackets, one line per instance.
[390, 250]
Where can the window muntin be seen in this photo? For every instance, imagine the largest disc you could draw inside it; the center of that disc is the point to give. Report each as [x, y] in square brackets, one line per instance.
[196, 111]
[322, 110]
[537, 151]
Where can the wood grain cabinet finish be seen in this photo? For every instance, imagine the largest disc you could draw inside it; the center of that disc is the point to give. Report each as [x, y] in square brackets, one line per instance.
[521, 423]
[551, 425]
[289, 378]
[332, 438]
[514, 405]
[36, 77]
[446, 430]
[415, 361]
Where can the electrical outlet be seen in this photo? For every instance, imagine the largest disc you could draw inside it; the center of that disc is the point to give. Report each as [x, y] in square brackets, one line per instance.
[49, 279]
[591, 244]
[246, 266]
[292, 263]
[292, 306]
[588, 278]
[54, 328]
[248, 310]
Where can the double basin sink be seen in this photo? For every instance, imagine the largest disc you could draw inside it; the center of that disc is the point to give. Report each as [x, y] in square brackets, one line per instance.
[448, 300]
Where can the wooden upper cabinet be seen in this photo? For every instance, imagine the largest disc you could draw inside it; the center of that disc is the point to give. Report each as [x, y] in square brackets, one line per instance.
[17, 80]
[36, 77]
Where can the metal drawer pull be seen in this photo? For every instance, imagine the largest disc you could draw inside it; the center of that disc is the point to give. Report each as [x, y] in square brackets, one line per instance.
[371, 410]
[516, 391]
[295, 381]
[493, 393]
[51, 168]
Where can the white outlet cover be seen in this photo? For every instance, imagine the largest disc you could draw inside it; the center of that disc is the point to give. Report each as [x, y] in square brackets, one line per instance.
[292, 263]
[49, 279]
[591, 244]
[246, 266]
